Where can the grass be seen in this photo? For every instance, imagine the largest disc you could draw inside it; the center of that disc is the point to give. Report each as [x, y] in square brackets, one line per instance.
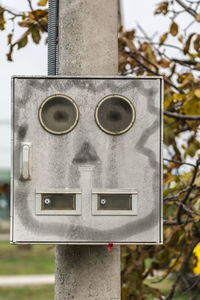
[31, 293]
[19, 260]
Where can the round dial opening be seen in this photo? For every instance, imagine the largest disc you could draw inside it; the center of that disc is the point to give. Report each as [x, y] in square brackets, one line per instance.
[58, 114]
[115, 114]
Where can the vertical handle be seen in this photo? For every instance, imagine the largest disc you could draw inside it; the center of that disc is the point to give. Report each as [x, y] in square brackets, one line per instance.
[25, 161]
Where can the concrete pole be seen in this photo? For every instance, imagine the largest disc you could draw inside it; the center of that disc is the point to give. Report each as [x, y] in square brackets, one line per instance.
[87, 46]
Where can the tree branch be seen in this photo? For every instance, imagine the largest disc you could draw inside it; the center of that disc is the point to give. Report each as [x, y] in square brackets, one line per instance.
[186, 209]
[179, 162]
[11, 12]
[30, 4]
[153, 72]
[188, 192]
[181, 117]
[185, 62]
[188, 9]
[175, 223]
[180, 272]
[169, 269]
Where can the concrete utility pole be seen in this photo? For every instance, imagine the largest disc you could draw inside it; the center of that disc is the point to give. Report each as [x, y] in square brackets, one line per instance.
[87, 46]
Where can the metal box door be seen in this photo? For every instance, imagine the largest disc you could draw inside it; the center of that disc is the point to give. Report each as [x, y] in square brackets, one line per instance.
[87, 169]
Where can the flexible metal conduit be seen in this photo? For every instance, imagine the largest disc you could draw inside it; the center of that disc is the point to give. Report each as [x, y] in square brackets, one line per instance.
[52, 36]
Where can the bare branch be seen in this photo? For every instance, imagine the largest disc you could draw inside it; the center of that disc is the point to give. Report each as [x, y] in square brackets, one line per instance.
[186, 284]
[170, 268]
[153, 72]
[190, 187]
[186, 209]
[172, 291]
[180, 272]
[30, 4]
[181, 117]
[185, 62]
[175, 223]
[179, 162]
[8, 10]
[188, 9]
[195, 282]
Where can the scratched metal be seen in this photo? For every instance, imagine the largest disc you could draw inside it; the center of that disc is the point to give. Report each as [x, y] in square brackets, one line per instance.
[87, 158]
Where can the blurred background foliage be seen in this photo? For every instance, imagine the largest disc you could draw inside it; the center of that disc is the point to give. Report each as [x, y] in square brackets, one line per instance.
[171, 270]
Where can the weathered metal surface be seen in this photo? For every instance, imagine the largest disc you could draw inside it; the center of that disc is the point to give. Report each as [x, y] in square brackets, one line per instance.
[87, 37]
[87, 158]
[87, 272]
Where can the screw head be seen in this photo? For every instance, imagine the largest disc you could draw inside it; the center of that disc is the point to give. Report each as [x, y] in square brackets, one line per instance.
[47, 201]
[103, 201]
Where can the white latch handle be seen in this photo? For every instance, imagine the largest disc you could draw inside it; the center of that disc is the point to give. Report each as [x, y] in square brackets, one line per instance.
[26, 162]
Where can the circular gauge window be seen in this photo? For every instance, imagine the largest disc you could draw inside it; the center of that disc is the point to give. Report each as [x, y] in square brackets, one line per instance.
[58, 114]
[115, 114]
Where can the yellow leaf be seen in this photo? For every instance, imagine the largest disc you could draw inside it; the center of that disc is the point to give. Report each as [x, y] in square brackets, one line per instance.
[187, 44]
[42, 2]
[197, 93]
[191, 107]
[167, 102]
[174, 29]
[164, 63]
[163, 38]
[162, 8]
[180, 38]
[185, 80]
[197, 43]
[198, 18]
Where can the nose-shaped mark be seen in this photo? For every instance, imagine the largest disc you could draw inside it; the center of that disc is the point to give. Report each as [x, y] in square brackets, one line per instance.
[86, 155]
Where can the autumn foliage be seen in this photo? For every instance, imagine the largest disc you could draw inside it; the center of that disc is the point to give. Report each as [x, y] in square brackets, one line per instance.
[35, 23]
[139, 55]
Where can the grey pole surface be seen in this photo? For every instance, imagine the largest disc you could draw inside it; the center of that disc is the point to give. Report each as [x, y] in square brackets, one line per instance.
[87, 46]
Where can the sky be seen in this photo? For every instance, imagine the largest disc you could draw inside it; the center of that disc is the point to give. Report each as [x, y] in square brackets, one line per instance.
[32, 60]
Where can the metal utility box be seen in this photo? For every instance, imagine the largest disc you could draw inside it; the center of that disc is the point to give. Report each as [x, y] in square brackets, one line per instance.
[87, 160]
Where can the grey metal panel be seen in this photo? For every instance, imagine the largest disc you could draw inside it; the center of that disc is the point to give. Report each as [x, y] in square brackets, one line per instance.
[129, 161]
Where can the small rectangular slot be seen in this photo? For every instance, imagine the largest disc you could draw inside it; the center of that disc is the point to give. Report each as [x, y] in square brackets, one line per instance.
[58, 201]
[114, 202]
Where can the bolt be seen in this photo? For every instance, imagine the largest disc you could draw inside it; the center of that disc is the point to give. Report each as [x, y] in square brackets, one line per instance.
[103, 201]
[47, 201]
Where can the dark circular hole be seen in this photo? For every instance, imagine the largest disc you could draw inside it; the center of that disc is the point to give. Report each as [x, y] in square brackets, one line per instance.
[58, 114]
[115, 114]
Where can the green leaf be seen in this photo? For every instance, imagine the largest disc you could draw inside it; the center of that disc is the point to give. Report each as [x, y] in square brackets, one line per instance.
[35, 35]
[148, 262]
[168, 135]
[22, 42]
